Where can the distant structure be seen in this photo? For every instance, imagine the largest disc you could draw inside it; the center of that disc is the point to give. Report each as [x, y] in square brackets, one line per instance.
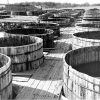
[20, 7]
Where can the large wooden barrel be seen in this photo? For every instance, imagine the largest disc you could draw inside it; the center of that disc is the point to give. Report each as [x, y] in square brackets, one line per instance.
[81, 74]
[19, 13]
[26, 52]
[61, 21]
[45, 34]
[11, 23]
[92, 13]
[4, 16]
[85, 39]
[92, 16]
[54, 26]
[96, 23]
[86, 27]
[36, 12]
[5, 78]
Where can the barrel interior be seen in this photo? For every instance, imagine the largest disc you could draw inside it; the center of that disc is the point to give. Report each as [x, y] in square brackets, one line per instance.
[86, 25]
[48, 25]
[88, 34]
[85, 60]
[19, 13]
[27, 31]
[54, 19]
[92, 19]
[12, 40]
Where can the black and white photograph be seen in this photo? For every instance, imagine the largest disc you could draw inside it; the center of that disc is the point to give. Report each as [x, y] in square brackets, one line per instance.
[49, 49]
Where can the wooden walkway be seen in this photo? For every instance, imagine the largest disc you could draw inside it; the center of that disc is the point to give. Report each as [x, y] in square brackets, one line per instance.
[46, 82]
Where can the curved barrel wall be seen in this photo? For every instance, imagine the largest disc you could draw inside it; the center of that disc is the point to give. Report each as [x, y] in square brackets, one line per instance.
[8, 25]
[81, 74]
[45, 34]
[85, 39]
[19, 13]
[5, 78]
[26, 52]
[86, 28]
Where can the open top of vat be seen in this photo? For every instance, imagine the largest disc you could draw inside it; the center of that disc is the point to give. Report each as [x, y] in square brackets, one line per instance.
[88, 35]
[54, 19]
[47, 25]
[91, 19]
[84, 62]
[11, 44]
[86, 25]
[30, 31]
[10, 41]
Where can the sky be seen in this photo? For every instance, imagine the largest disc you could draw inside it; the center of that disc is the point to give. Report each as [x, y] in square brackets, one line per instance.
[61, 1]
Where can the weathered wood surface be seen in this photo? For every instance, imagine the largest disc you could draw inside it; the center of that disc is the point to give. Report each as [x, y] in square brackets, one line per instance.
[46, 82]
[79, 85]
[46, 34]
[5, 78]
[24, 57]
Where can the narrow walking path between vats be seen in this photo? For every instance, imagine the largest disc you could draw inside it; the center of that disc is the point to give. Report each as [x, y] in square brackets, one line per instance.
[46, 82]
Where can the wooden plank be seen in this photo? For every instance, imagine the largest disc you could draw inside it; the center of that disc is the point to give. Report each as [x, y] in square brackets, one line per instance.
[58, 88]
[51, 87]
[40, 74]
[42, 83]
[43, 92]
[47, 82]
[55, 79]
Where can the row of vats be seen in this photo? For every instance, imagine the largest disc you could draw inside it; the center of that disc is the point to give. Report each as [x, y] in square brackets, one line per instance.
[23, 42]
[64, 18]
[7, 14]
[82, 64]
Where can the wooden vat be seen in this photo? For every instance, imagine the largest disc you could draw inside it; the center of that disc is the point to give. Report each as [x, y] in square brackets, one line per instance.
[8, 24]
[5, 78]
[26, 52]
[19, 13]
[54, 26]
[12, 24]
[92, 16]
[69, 19]
[85, 39]
[93, 21]
[61, 21]
[45, 34]
[81, 74]
[4, 16]
[86, 27]
[36, 12]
